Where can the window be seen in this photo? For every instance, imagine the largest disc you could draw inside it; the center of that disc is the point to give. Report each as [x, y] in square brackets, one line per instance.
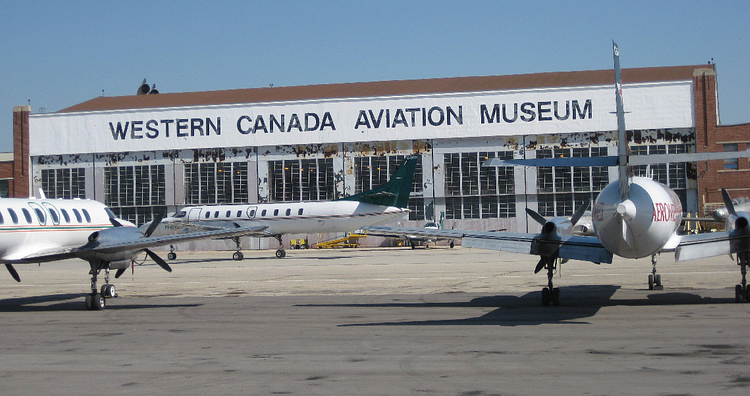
[229, 213]
[373, 172]
[239, 213]
[2, 221]
[275, 212]
[561, 190]
[213, 183]
[301, 180]
[86, 215]
[473, 191]
[65, 215]
[216, 214]
[263, 213]
[135, 193]
[288, 212]
[78, 215]
[208, 215]
[731, 163]
[299, 212]
[64, 183]
[26, 215]
[251, 214]
[13, 215]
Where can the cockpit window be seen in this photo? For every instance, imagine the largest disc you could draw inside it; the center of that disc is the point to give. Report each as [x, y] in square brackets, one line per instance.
[180, 214]
[110, 213]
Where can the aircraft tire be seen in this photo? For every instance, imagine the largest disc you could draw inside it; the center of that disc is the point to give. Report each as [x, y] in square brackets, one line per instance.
[545, 297]
[99, 302]
[657, 280]
[109, 291]
[89, 300]
[555, 297]
[172, 256]
[281, 253]
[650, 281]
[238, 256]
[738, 293]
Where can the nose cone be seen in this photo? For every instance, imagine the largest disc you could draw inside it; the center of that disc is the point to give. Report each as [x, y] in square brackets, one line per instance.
[720, 214]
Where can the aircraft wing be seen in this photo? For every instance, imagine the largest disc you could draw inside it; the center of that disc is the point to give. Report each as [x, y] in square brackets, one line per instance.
[712, 244]
[569, 247]
[133, 244]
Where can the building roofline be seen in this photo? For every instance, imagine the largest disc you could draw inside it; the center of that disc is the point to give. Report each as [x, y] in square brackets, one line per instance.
[388, 88]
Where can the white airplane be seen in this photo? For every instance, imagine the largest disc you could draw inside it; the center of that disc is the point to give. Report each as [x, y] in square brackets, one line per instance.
[43, 230]
[738, 204]
[380, 205]
[633, 217]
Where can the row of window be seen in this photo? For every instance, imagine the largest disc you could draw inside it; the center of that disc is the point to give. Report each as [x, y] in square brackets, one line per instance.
[41, 215]
[136, 193]
[250, 214]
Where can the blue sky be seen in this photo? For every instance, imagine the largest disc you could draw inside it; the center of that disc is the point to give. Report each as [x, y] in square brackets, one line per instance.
[58, 54]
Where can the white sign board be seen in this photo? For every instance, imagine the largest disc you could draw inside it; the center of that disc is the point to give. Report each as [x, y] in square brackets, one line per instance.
[417, 117]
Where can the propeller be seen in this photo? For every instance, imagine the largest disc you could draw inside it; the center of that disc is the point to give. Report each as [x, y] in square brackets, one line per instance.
[154, 223]
[13, 272]
[728, 202]
[579, 213]
[158, 260]
[536, 216]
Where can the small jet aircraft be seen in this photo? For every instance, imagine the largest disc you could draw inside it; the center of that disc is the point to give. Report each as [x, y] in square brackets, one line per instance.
[633, 217]
[43, 230]
[380, 205]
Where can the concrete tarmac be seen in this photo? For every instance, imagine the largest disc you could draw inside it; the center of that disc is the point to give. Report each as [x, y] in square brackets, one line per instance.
[433, 321]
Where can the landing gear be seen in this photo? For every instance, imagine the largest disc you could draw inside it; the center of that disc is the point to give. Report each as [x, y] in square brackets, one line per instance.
[550, 294]
[97, 301]
[280, 253]
[654, 279]
[237, 256]
[172, 255]
[741, 291]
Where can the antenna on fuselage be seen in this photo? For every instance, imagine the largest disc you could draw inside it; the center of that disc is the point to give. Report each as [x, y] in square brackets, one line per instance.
[623, 151]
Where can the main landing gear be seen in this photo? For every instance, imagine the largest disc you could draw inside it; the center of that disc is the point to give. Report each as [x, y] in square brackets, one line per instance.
[97, 301]
[237, 256]
[741, 291]
[654, 279]
[172, 255]
[280, 253]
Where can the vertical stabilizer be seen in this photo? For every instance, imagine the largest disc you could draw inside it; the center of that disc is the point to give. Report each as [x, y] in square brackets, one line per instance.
[623, 151]
[396, 191]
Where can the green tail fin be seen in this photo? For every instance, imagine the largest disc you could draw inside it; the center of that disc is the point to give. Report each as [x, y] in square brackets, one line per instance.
[396, 191]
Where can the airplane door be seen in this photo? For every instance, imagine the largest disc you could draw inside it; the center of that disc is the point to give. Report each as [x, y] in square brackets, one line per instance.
[194, 214]
[251, 211]
[40, 215]
[53, 213]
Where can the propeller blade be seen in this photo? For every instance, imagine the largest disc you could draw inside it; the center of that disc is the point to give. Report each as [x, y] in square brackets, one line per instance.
[159, 260]
[536, 216]
[728, 202]
[540, 265]
[154, 223]
[115, 222]
[119, 273]
[13, 272]
[579, 213]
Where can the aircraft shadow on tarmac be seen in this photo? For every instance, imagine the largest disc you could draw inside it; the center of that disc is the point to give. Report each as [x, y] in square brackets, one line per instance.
[69, 302]
[579, 302]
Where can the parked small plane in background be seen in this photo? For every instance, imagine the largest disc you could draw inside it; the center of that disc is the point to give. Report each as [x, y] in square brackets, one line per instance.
[43, 230]
[386, 203]
[633, 217]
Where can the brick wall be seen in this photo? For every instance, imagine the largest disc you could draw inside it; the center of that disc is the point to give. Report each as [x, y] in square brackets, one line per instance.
[19, 187]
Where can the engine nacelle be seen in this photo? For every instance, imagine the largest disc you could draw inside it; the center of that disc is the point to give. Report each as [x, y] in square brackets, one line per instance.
[654, 216]
[120, 264]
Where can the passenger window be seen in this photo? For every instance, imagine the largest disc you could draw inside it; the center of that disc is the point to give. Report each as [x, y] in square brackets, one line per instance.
[78, 215]
[86, 215]
[299, 212]
[13, 215]
[65, 215]
[27, 215]
[53, 215]
[216, 214]
[239, 213]
[208, 214]
[263, 213]
[275, 212]
[40, 215]
[288, 212]
[229, 213]
[2, 221]
[252, 213]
